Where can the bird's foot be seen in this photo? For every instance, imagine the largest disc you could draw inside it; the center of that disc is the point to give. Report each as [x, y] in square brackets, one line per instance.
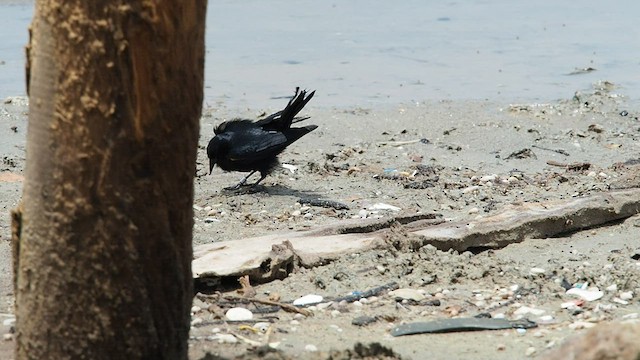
[244, 187]
[233, 188]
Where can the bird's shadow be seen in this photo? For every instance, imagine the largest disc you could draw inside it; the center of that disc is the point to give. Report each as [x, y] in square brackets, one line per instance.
[273, 190]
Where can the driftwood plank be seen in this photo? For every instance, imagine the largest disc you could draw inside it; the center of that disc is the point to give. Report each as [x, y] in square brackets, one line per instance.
[534, 221]
[273, 256]
[265, 257]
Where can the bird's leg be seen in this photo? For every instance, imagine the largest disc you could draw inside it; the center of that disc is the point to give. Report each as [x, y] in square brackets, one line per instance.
[262, 176]
[242, 182]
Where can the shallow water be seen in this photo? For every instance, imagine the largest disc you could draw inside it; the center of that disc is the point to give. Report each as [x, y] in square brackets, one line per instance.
[369, 53]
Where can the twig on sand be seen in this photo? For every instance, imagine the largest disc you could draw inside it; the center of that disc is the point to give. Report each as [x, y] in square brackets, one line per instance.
[283, 306]
[573, 166]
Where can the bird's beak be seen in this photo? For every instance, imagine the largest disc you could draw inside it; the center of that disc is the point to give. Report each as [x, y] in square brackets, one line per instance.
[212, 163]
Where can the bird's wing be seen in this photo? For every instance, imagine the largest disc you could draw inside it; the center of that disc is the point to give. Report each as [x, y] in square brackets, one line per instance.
[257, 144]
[233, 125]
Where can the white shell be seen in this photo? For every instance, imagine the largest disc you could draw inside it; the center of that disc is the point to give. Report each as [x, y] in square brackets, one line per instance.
[308, 300]
[238, 314]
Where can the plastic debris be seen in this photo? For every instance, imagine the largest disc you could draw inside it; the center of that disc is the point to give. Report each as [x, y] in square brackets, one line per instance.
[383, 206]
[290, 167]
[308, 300]
[587, 295]
[460, 324]
[525, 310]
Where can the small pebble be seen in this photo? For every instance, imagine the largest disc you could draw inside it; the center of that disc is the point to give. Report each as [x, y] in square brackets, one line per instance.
[612, 287]
[296, 213]
[196, 321]
[311, 348]
[501, 347]
[488, 178]
[530, 351]
[570, 305]
[357, 303]
[335, 313]
[579, 325]
[224, 338]
[381, 269]
[195, 309]
[626, 295]
[7, 337]
[545, 319]
[407, 294]
[473, 210]
[471, 189]
[294, 322]
[525, 310]
[238, 314]
[9, 322]
[363, 214]
[536, 271]
[307, 215]
[324, 305]
[596, 128]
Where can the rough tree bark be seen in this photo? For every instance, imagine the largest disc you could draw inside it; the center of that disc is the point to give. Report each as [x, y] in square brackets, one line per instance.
[102, 240]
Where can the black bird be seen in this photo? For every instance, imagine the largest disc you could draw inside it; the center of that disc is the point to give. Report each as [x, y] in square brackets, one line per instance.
[245, 145]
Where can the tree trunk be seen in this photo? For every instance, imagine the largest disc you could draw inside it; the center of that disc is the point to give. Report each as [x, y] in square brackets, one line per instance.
[102, 240]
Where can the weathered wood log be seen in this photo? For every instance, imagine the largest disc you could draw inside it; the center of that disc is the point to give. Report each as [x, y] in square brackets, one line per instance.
[273, 256]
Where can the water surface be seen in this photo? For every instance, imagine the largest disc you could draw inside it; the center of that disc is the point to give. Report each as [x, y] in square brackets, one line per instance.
[371, 52]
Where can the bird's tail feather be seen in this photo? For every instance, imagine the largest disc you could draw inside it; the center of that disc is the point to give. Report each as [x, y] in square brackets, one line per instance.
[293, 134]
[284, 118]
[295, 105]
[300, 118]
